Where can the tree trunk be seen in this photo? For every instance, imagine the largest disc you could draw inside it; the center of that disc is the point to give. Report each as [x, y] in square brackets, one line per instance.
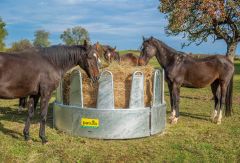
[231, 51]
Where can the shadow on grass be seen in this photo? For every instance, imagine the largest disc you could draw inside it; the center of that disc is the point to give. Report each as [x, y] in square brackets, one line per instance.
[13, 115]
[194, 116]
[191, 97]
[237, 68]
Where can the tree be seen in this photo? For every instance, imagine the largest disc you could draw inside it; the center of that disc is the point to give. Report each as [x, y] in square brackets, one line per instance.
[41, 38]
[75, 36]
[199, 20]
[3, 34]
[20, 45]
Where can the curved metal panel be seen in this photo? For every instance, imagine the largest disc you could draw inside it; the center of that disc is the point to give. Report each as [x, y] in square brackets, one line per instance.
[105, 122]
[158, 118]
[113, 124]
[59, 96]
[76, 97]
[105, 98]
[137, 91]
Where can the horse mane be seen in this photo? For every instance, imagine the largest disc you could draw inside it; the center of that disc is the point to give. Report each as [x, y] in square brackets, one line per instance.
[62, 55]
[181, 55]
[162, 44]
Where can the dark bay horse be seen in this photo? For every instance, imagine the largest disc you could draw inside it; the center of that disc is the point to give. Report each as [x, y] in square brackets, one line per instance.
[185, 71]
[36, 73]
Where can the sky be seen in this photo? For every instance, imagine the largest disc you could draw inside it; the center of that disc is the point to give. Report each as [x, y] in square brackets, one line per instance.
[120, 23]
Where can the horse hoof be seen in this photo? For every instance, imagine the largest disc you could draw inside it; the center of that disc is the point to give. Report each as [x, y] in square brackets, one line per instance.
[27, 137]
[44, 141]
[30, 141]
[174, 120]
[213, 120]
[20, 109]
[218, 122]
[171, 118]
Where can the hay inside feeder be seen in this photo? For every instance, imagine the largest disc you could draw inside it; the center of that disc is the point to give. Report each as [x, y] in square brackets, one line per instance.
[122, 79]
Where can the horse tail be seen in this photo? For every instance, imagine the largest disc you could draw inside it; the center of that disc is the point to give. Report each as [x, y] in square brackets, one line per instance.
[228, 100]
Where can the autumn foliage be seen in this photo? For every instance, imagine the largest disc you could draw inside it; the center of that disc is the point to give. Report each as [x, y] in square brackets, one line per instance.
[200, 19]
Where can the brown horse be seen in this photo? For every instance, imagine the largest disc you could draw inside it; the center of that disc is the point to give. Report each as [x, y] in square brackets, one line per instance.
[108, 53]
[36, 73]
[129, 58]
[185, 71]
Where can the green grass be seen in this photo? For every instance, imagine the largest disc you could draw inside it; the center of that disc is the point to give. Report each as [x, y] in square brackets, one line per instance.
[193, 139]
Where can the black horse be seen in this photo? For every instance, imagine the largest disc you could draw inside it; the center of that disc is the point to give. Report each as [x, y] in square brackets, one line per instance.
[185, 71]
[36, 73]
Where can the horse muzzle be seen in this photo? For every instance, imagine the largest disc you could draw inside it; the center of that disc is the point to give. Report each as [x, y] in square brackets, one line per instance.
[141, 62]
[95, 79]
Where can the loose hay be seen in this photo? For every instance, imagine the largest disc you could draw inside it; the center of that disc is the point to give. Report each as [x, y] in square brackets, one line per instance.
[122, 79]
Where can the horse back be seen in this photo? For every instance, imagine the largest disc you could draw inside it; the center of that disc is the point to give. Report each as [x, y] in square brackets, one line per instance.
[22, 73]
[199, 73]
[129, 57]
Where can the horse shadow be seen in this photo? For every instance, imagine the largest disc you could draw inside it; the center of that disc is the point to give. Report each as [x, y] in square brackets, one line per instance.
[190, 97]
[203, 117]
[11, 114]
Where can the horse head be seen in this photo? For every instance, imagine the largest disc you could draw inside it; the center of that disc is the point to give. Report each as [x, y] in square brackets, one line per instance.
[148, 50]
[111, 54]
[91, 62]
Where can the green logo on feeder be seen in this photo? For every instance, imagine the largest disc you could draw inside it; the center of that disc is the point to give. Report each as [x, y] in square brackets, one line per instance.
[89, 123]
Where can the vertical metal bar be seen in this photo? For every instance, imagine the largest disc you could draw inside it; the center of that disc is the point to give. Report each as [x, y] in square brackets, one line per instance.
[76, 95]
[59, 93]
[137, 91]
[162, 81]
[157, 88]
[105, 99]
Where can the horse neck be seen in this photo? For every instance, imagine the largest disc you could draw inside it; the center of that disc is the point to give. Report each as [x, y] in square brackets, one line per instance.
[65, 62]
[74, 60]
[164, 54]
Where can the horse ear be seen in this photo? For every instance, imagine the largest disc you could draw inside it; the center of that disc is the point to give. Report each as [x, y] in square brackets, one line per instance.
[151, 37]
[143, 38]
[97, 46]
[114, 48]
[85, 43]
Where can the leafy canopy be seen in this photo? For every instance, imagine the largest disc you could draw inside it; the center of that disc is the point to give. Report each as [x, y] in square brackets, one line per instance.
[3, 34]
[199, 19]
[75, 36]
[41, 38]
[20, 45]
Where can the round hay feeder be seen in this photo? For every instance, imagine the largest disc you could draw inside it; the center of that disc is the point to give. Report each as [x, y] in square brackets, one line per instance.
[105, 121]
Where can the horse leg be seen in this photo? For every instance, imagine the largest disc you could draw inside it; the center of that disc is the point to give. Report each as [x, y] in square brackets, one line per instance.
[222, 101]
[22, 103]
[32, 104]
[45, 97]
[216, 94]
[175, 96]
[171, 100]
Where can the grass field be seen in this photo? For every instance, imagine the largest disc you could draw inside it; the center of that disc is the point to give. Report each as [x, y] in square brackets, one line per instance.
[193, 139]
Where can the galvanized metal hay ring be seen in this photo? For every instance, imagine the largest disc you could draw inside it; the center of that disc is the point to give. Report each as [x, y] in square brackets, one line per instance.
[105, 121]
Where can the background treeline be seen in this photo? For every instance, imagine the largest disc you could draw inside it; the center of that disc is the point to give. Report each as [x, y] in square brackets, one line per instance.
[71, 36]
